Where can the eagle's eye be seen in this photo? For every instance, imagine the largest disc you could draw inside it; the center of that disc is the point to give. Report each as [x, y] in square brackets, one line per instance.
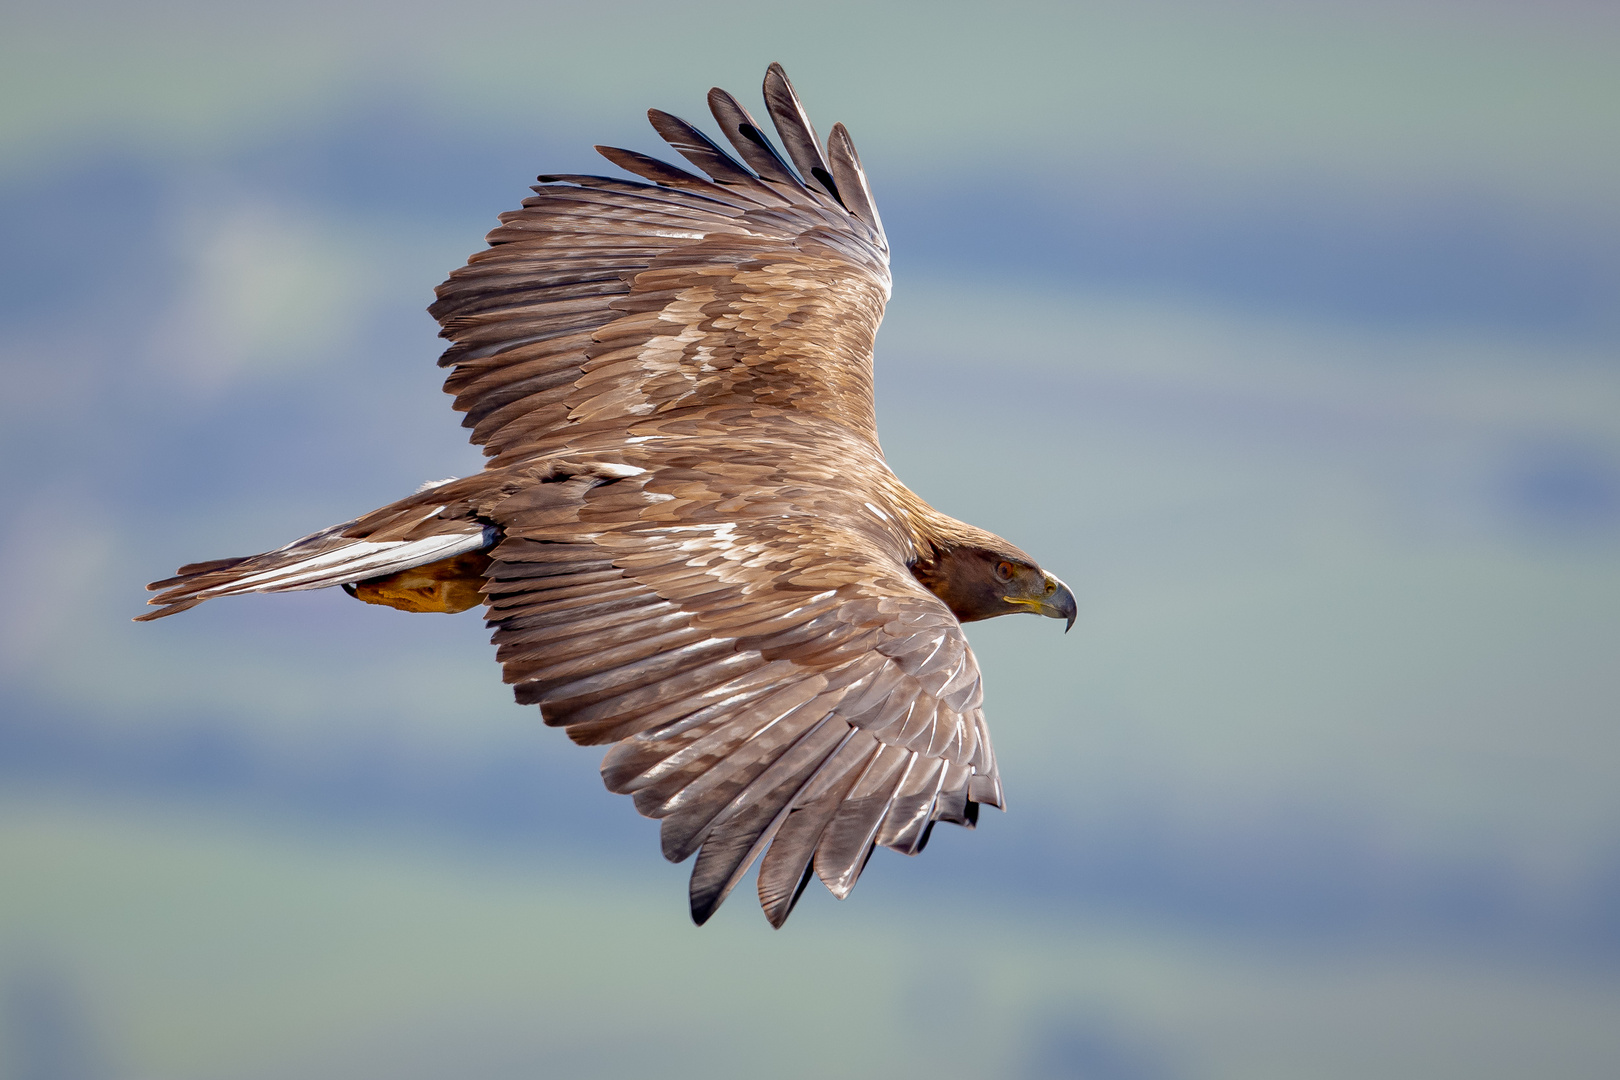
[1004, 571]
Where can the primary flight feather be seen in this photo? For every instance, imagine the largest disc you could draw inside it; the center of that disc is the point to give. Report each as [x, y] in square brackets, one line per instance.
[686, 538]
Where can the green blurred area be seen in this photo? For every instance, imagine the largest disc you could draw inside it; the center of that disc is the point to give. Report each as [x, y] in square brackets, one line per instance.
[220, 949]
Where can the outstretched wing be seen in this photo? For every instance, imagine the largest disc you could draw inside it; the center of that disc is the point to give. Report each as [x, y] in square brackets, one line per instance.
[774, 680]
[604, 300]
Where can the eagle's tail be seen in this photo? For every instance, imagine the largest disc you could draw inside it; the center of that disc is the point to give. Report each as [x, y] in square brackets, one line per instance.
[444, 553]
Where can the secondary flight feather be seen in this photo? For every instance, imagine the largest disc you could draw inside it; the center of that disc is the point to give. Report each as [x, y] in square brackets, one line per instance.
[686, 538]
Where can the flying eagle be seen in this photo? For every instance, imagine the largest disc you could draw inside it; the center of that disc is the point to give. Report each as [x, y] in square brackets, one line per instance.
[686, 538]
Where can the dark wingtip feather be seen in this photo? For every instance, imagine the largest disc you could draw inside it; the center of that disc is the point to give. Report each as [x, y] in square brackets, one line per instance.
[787, 867]
[851, 178]
[744, 134]
[650, 168]
[669, 176]
[777, 914]
[752, 822]
[702, 908]
[727, 854]
[797, 133]
[703, 152]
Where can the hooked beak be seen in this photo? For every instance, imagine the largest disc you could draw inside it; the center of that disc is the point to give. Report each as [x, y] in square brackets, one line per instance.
[1059, 603]
[1056, 602]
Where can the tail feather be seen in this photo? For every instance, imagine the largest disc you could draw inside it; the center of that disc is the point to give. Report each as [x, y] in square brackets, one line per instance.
[317, 561]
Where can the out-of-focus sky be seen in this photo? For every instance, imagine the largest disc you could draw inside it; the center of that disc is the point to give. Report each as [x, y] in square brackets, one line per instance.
[1288, 333]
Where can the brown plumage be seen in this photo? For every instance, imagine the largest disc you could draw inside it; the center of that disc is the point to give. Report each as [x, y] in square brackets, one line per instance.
[686, 537]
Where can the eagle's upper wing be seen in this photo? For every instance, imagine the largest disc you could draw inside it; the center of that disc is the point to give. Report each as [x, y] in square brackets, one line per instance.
[602, 301]
[775, 680]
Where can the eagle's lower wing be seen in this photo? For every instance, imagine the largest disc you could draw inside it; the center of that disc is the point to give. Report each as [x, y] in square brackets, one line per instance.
[604, 301]
[774, 680]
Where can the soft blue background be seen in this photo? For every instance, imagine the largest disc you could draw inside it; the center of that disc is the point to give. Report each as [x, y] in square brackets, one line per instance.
[1288, 333]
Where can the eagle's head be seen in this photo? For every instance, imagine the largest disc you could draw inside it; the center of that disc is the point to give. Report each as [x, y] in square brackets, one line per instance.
[981, 582]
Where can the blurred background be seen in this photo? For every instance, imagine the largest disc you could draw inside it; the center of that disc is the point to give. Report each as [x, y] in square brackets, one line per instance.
[1287, 332]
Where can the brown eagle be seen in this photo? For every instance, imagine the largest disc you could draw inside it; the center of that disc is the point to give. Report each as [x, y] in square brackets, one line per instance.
[686, 538]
